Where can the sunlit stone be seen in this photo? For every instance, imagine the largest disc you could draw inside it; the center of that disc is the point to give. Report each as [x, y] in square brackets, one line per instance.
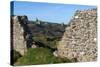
[76, 17]
[95, 39]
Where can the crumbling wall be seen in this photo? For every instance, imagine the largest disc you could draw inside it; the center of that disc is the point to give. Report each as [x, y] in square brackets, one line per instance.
[18, 40]
[80, 37]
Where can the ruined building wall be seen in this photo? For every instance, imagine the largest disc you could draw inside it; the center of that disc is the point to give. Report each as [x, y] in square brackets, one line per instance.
[18, 32]
[80, 37]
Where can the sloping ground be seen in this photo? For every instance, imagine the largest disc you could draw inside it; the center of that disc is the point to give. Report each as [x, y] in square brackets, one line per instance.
[46, 34]
[40, 56]
[80, 38]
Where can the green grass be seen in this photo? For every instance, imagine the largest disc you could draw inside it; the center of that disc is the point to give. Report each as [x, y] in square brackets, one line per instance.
[46, 41]
[39, 56]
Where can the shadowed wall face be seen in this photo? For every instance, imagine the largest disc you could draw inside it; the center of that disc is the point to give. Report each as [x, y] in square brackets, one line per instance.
[80, 37]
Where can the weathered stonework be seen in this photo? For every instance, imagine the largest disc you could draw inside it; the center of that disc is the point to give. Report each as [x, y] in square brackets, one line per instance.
[18, 40]
[21, 36]
[80, 37]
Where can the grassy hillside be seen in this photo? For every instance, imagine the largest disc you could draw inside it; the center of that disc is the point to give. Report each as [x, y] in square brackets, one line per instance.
[46, 34]
[40, 56]
[46, 28]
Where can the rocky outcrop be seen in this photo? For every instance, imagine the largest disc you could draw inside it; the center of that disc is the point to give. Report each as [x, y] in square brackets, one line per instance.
[21, 38]
[80, 38]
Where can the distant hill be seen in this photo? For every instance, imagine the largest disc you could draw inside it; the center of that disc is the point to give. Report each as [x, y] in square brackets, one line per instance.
[49, 29]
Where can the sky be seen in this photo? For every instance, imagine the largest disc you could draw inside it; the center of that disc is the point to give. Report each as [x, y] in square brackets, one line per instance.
[51, 12]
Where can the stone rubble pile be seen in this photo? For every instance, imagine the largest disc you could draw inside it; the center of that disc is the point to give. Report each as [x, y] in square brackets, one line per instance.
[80, 37]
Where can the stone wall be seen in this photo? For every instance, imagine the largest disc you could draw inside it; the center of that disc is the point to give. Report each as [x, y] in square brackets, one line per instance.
[18, 34]
[80, 37]
[19, 43]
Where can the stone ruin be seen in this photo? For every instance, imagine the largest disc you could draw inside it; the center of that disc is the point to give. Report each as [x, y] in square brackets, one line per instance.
[21, 37]
[80, 37]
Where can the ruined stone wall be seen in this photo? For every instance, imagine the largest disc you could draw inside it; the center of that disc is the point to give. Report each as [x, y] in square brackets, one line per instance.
[80, 37]
[18, 40]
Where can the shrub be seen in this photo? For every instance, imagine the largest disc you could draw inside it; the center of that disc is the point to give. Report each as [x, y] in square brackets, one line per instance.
[40, 38]
[54, 44]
